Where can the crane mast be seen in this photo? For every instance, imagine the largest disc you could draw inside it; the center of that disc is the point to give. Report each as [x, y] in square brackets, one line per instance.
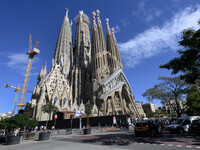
[17, 90]
[31, 53]
[16, 96]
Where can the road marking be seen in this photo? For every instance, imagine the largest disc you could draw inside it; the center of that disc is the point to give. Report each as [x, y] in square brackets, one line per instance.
[141, 143]
[179, 145]
[198, 147]
[170, 144]
[162, 144]
[189, 146]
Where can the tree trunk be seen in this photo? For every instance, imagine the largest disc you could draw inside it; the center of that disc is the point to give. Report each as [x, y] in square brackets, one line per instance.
[177, 108]
[87, 121]
[48, 120]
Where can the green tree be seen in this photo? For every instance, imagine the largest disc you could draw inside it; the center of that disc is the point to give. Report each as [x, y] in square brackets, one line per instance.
[193, 101]
[170, 88]
[28, 110]
[17, 121]
[188, 63]
[88, 111]
[49, 108]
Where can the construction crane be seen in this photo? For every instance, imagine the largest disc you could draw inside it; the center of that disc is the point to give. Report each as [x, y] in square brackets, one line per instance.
[32, 52]
[17, 89]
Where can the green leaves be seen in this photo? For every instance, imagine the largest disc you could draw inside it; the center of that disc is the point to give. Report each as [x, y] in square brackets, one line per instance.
[18, 121]
[170, 88]
[193, 101]
[188, 63]
[88, 108]
[49, 108]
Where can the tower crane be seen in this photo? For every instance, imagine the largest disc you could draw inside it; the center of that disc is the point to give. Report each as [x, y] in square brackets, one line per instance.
[32, 52]
[17, 89]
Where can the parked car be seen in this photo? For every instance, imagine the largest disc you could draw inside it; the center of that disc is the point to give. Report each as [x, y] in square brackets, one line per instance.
[146, 128]
[182, 124]
[195, 127]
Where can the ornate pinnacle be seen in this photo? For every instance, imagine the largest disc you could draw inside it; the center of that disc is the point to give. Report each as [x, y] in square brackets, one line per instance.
[67, 10]
[94, 14]
[107, 21]
[97, 13]
[112, 31]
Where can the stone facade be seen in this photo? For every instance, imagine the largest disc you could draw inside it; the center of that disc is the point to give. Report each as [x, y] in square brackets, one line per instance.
[171, 106]
[149, 107]
[140, 109]
[90, 72]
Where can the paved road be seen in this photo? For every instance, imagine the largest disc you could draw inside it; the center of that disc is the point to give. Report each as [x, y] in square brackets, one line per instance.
[108, 141]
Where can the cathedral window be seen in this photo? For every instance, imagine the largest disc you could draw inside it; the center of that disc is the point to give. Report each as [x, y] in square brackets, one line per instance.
[64, 101]
[101, 62]
[104, 60]
[98, 62]
[55, 100]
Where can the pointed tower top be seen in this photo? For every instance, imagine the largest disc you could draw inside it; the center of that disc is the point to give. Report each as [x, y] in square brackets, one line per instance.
[67, 10]
[113, 34]
[107, 22]
[112, 29]
[94, 14]
[45, 65]
[108, 27]
[81, 12]
[97, 13]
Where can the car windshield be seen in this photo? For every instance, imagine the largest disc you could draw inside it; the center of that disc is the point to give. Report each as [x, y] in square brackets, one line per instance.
[139, 124]
[179, 121]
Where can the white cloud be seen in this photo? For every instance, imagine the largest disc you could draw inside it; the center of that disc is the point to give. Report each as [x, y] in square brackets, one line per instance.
[19, 62]
[125, 21]
[141, 4]
[15, 60]
[146, 13]
[158, 39]
[117, 29]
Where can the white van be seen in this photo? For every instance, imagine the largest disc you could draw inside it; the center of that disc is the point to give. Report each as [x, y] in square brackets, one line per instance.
[182, 124]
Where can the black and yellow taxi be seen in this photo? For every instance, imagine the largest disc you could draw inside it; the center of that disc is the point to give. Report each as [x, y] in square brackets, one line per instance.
[145, 128]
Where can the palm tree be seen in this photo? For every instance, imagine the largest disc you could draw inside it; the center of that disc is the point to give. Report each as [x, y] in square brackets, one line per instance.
[49, 108]
[88, 111]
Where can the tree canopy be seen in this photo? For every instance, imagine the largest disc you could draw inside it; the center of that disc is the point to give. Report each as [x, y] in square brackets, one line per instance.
[193, 101]
[17, 121]
[170, 88]
[49, 108]
[188, 63]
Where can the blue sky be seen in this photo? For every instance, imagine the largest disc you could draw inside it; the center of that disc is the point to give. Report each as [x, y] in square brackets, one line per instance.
[147, 32]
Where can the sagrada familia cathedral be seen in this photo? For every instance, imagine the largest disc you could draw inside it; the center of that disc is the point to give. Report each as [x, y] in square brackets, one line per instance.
[88, 72]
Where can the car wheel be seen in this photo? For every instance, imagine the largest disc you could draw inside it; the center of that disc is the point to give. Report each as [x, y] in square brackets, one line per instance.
[136, 134]
[152, 133]
[181, 131]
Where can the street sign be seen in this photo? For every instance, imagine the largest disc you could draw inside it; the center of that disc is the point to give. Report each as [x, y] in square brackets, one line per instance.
[114, 120]
[82, 112]
[78, 113]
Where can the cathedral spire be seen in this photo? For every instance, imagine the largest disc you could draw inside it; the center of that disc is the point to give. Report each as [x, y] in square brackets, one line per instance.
[94, 21]
[95, 36]
[111, 49]
[108, 27]
[67, 11]
[101, 35]
[119, 61]
[64, 47]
